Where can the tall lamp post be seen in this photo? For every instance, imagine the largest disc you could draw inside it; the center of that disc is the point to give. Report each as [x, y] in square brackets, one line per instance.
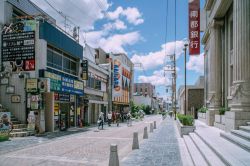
[185, 97]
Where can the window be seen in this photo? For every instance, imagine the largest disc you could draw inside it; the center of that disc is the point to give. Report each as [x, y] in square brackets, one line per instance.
[66, 65]
[97, 84]
[61, 61]
[57, 61]
[50, 58]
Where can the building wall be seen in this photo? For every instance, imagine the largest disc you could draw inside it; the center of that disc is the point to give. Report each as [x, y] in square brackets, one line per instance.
[195, 101]
[139, 100]
[226, 41]
[144, 89]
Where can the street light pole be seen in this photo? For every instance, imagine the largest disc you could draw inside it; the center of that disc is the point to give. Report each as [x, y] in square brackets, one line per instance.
[185, 97]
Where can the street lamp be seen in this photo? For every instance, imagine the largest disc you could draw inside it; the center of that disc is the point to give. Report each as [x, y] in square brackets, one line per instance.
[185, 59]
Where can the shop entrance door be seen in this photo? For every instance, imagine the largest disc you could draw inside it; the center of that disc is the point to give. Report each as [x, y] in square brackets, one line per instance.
[64, 116]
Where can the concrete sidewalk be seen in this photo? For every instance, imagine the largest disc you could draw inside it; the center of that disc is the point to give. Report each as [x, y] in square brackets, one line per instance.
[161, 149]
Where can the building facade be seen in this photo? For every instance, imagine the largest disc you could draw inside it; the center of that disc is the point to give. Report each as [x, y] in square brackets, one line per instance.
[194, 98]
[40, 68]
[227, 80]
[122, 72]
[145, 89]
[96, 87]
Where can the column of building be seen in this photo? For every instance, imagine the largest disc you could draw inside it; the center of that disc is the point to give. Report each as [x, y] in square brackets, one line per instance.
[240, 91]
[214, 71]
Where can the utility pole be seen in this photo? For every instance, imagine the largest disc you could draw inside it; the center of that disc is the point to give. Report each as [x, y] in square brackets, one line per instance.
[171, 67]
[185, 97]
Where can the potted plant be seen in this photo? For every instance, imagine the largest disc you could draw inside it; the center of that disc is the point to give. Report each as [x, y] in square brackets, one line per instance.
[185, 124]
[202, 112]
[221, 117]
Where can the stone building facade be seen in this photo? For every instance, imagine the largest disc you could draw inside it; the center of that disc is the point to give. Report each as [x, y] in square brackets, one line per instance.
[227, 47]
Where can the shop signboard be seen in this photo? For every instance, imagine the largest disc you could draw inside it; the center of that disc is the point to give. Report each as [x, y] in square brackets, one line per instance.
[78, 87]
[67, 84]
[194, 27]
[84, 69]
[31, 85]
[63, 83]
[117, 78]
[55, 81]
[18, 51]
[64, 97]
[44, 84]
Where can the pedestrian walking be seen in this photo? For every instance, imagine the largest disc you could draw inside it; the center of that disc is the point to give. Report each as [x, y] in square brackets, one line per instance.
[117, 117]
[129, 122]
[100, 120]
[113, 117]
[109, 118]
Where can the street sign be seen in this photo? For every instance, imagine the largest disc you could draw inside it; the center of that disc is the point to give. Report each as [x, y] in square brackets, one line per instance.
[84, 66]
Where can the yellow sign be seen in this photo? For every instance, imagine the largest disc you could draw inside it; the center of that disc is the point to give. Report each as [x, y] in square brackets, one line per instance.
[31, 85]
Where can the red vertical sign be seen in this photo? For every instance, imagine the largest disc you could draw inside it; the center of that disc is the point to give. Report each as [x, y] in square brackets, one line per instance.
[194, 26]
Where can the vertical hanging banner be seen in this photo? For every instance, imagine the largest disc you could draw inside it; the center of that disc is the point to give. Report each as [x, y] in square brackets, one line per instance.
[117, 82]
[194, 26]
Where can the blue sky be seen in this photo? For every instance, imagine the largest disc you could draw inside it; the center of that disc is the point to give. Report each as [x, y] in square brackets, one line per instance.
[136, 27]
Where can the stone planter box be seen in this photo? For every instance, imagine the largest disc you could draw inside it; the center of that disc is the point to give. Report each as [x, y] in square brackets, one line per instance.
[184, 130]
[217, 119]
[223, 119]
[202, 115]
[220, 119]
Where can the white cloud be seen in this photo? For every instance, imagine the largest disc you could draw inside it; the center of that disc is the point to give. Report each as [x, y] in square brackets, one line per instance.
[116, 42]
[156, 79]
[82, 12]
[132, 15]
[196, 63]
[115, 14]
[118, 25]
[155, 59]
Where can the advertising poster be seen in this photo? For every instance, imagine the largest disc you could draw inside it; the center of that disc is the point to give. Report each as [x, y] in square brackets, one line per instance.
[117, 78]
[18, 51]
[31, 85]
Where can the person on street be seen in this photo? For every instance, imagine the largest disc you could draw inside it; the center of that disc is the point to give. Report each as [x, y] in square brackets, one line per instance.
[109, 118]
[129, 122]
[117, 118]
[113, 116]
[100, 120]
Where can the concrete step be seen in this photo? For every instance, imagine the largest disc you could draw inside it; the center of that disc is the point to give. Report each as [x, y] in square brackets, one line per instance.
[16, 122]
[248, 123]
[237, 140]
[241, 134]
[228, 152]
[19, 130]
[194, 152]
[207, 153]
[245, 128]
[19, 134]
[14, 119]
[18, 126]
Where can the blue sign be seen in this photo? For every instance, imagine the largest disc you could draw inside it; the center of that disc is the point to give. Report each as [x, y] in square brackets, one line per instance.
[66, 84]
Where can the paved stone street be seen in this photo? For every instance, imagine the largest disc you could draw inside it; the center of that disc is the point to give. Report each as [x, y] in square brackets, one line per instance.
[161, 149]
[84, 148]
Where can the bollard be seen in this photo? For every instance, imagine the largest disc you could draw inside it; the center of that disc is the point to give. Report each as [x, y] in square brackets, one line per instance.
[151, 128]
[135, 141]
[113, 156]
[145, 133]
[154, 124]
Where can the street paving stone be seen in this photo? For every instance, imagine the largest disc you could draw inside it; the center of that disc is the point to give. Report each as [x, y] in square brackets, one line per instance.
[85, 148]
[161, 149]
